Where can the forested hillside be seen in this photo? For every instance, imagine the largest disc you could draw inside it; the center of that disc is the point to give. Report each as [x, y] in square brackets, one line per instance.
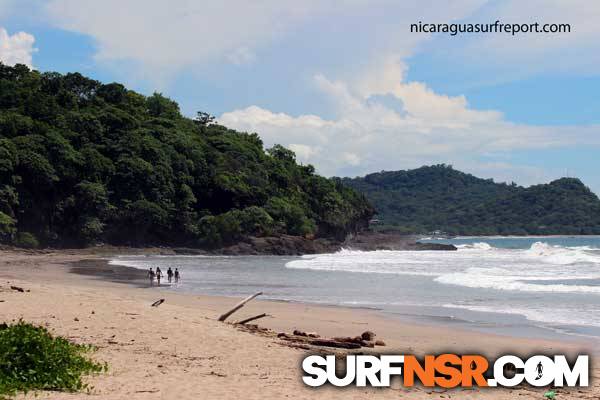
[83, 162]
[441, 198]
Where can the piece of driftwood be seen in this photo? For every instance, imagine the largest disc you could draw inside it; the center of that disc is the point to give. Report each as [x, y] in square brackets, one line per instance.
[239, 305]
[158, 303]
[297, 346]
[245, 321]
[334, 343]
[293, 338]
[356, 339]
[348, 339]
[18, 289]
[301, 339]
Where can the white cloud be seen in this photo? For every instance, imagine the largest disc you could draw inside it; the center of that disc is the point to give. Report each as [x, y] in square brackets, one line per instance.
[16, 48]
[367, 135]
[163, 37]
[241, 56]
[167, 36]
[304, 153]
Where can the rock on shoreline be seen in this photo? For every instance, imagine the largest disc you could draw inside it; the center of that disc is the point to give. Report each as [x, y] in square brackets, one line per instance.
[297, 245]
[371, 241]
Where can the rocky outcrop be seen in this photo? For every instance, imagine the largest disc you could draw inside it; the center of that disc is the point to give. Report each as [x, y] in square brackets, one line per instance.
[284, 245]
[371, 241]
[287, 245]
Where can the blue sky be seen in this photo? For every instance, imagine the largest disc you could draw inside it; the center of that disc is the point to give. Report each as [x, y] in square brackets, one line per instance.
[345, 84]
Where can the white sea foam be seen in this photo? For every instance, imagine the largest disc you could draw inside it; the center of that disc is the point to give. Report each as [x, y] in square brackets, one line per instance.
[561, 255]
[475, 246]
[133, 263]
[556, 316]
[476, 265]
[491, 278]
[381, 262]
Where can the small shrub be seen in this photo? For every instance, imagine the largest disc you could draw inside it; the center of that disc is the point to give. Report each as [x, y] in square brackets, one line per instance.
[26, 240]
[32, 359]
[7, 227]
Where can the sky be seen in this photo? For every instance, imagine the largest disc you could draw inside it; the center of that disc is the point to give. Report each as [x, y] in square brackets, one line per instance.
[346, 84]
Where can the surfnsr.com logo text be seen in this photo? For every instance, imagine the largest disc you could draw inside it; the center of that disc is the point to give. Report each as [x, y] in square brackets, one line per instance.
[446, 371]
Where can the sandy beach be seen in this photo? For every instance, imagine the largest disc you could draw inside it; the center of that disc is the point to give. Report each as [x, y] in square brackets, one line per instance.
[180, 351]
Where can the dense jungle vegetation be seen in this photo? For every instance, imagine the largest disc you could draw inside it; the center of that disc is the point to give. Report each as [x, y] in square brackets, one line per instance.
[83, 162]
[441, 198]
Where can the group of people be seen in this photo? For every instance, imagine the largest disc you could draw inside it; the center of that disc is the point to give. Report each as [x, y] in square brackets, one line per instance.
[158, 275]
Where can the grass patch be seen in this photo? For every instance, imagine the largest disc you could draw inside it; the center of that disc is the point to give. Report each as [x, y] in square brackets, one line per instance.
[31, 358]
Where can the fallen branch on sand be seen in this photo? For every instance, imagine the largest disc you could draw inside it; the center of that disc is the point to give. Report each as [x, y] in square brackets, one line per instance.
[245, 321]
[301, 339]
[239, 305]
[157, 303]
[334, 343]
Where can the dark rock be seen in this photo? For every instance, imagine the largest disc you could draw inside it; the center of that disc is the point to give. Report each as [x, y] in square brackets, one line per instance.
[371, 241]
[434, 246]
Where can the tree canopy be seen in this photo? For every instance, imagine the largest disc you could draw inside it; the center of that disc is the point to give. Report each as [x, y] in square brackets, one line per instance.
[440, 198]
[83, 162]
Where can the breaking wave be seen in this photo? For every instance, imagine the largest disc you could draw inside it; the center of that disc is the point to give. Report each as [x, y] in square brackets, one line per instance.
[541, 268]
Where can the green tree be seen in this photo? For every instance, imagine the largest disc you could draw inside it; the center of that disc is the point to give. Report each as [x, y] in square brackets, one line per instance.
[84, 162]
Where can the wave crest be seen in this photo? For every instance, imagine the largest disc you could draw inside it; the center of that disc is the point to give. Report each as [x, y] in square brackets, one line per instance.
[561, 255]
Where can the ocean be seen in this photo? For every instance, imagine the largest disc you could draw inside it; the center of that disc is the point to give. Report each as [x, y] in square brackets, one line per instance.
[526, 286]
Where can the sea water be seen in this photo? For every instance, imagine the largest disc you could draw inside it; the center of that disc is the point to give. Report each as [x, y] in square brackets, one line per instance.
[517, 285]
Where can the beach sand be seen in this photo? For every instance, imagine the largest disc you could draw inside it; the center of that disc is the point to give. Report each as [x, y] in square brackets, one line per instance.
[180, 351]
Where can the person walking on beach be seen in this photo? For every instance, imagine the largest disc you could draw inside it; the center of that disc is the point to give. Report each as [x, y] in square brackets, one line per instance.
[540, 370]
[176, 275]
[169, 274]
[158, 275]
[151, 276]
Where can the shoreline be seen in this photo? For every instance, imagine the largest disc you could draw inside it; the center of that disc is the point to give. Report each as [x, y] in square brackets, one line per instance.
[179, 350]
[102, 269]
[295, 287]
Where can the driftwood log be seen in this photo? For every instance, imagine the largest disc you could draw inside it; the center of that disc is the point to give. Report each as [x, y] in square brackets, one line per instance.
[239, 305]
[356, 339]
[157, 303]
[334, 343]
[300, 339]
[245, 321]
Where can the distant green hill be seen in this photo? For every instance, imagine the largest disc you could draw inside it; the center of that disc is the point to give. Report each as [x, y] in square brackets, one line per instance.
[441, 198]
[83, 162]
